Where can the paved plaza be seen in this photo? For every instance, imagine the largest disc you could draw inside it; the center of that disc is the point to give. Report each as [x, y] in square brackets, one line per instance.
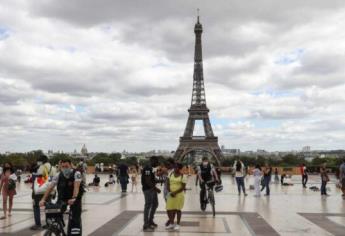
[290, 210]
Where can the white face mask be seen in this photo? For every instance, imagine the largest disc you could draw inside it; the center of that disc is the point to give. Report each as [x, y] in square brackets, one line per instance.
[39, 163]
[205, 163]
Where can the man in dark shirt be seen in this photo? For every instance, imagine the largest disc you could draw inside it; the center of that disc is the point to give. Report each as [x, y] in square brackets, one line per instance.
[148, 181]
[123, 177]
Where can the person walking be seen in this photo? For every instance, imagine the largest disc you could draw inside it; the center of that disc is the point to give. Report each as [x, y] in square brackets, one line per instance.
[7, 189]
[304, 175]
[148, 182]
[324, 179]
[123, 176]
[257, 180]
[267, 179]
[175, 201]
[342, 177]
[239, 176]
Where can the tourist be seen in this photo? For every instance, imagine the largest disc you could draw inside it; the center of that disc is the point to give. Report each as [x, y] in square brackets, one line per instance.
[148, 182]
[342, 177]
[82, 168]
[44, 171]
[123, 176]
[97, 168]
[282, 177]
[170, 163]
[95, 182]
[239, 176]
[111, 180]
[324, 179]
[304, 175]
[276, 176]
[134, 176]
[207, 175]
[257, 180]
[7, 189]
[267, 179]
[175, 200]
[101, 167]
[70, 191]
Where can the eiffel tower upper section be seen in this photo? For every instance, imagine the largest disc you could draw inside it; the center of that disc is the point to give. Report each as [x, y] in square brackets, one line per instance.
[198, 95]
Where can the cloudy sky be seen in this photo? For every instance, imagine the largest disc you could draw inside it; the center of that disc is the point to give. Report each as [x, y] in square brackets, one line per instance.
[117, 75]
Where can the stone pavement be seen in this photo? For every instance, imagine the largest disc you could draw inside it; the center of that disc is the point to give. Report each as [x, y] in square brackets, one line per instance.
[290, 210]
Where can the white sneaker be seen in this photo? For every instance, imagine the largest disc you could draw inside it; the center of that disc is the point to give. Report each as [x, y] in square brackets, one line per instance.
[170, 226]
[177, 227]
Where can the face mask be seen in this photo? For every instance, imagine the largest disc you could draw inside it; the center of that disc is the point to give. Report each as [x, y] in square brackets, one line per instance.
[39, 163]
[205, 163]
[67, 172]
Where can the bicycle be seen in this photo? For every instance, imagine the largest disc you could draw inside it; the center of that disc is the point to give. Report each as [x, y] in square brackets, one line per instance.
[54, 219]
[208, 197]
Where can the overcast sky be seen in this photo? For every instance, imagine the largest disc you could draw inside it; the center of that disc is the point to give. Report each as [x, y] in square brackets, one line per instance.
[117, 75]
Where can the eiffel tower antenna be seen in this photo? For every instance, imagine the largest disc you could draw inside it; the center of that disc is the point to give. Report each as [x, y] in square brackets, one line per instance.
[198, 13]
[198, 111]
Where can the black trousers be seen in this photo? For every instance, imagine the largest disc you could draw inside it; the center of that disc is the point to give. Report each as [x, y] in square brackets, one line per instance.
[304, 180]
[74, 221]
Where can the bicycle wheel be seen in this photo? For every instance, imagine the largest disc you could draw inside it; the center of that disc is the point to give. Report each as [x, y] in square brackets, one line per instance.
[212, 202]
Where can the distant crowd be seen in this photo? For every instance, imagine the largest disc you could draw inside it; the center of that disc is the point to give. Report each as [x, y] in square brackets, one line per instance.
[67, 182]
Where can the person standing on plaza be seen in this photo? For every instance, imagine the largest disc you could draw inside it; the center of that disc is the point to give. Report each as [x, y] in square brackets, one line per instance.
[304, 174]
[123, 176]
[276, 176]
[7, 188]
[324, 179]
[169, 169]
[342, 177]
[148, 182]
[239, 176]
[134, 176]
[175, 200]
[257, 180]
[44, 170]
[267, 179]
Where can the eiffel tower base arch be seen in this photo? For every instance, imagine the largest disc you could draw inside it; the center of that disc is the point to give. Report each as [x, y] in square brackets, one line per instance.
[209, 145]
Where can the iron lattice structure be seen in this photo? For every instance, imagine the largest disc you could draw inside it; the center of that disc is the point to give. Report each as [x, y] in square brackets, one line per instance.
[198, 111]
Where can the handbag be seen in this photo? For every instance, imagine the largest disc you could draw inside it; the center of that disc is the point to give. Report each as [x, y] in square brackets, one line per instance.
[41, 183]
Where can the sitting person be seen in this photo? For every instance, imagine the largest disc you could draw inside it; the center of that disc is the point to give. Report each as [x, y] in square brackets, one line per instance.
[96, 181]
[286, 180]
[111, 181]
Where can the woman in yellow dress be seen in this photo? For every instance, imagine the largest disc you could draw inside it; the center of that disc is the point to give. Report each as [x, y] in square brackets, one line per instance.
[175, 199]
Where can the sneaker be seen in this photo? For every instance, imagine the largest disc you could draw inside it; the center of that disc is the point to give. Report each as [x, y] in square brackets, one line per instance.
[245, 194]
[167, 223]
[177, 227]
[36, 227]
[170, 226]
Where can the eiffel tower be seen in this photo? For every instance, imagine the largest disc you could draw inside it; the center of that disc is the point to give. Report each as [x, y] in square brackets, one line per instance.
[198, 111]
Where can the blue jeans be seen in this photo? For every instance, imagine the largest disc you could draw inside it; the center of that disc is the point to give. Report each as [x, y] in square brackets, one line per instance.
[323, 187]
[37, 210]
[124, 182]
[240, 184]
[267, 180]
[151, 204]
